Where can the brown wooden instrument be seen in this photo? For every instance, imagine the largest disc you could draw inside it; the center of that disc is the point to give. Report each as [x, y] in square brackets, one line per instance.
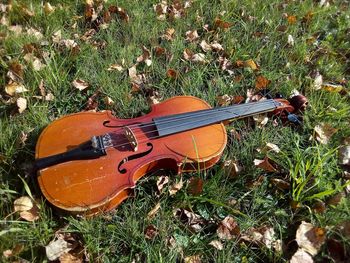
[88, 162]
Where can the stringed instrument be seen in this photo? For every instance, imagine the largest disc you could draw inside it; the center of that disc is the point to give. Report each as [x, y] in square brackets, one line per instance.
[88, 162]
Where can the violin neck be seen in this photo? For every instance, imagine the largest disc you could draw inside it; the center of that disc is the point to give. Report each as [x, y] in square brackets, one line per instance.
[172, 124]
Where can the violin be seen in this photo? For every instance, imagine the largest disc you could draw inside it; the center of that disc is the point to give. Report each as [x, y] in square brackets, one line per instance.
[88, 162]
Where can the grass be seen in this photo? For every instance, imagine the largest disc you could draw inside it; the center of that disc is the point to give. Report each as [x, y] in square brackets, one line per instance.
[118, 236]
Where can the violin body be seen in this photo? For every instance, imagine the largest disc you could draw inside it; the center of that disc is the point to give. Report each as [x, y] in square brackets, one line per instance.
[95, 185]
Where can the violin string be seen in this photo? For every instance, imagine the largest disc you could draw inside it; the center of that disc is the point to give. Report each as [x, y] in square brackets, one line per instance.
[199, 114]
[155, 130]
[157, 136]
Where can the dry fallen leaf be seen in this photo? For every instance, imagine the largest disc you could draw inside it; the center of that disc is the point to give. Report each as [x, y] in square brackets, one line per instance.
[174, 188]
[15, 72]
[323, 132]
[48, 8]
[27, 209]
[192, 36]
[291, 19]
[228, 228]
[21, 104]
[192, 259]
[260, 120]
[153, 212]
[310, 238]
[290, 40]
[23, 203]
[115, 67]
[301, 257]
[80, 84]
[332, 87]
[269, 147]
[217, 244]
[171, 73]
[318, 81]
[13, 88]
[265, 164]
[232, 167]
[222, 24]
[280, 184]
[57, 248]
[193, 221]
[145, 57]
[251, 64]
[169, 34]
[195, 186]
[70, 258]
[161, 182]
[261, 82]
[151, 232]
[344, 155]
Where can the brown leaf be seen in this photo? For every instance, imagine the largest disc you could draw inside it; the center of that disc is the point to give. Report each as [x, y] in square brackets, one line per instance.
[291, 19]
[174, 188]
[192, 36]
[115, 67]
[92, 103]
[310, 238]
[319, 207]
[193, 259]
[251, 64]
[195, 186]
[151, 232]
[145, 57]
[159, 51]
[323, 132]
[57, 247]
[344, 155]
[31, 215]
[21, 104]
[332, 87]
[261, 82]
[301, 256]
[161, 182]
[80, 84]
[161, 10]
[232, 167]
[217, 244]
[23, 203]
[260, 120]
[108, 101]
[48, 8]
[153, 212]
[280, 184]
[224, 100]
[171, 73]
[228, 228]
[13, 88]
[120, 12]
[193, 221]
[336, 199]
[15, 72]
[218, 23]
[336, 250]
[269, 147]
[169, 34]
[70, 258]
[265, 164]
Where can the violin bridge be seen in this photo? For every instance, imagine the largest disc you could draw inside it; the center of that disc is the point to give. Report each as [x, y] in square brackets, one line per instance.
[131, 138]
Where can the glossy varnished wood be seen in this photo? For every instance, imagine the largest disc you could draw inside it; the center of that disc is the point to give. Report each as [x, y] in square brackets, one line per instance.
[91, 186]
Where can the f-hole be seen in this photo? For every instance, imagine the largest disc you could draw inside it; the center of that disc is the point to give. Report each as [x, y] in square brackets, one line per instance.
[133, 157]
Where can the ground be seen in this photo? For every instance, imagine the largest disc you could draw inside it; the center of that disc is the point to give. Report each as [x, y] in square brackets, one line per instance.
[68, 56]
